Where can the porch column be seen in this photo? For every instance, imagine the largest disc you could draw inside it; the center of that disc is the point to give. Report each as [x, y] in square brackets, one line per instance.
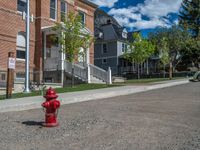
[62, 64]
[88, 56]
[45, 45]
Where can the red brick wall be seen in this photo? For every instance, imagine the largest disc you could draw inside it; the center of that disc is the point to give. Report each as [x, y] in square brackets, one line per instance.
[11, 23]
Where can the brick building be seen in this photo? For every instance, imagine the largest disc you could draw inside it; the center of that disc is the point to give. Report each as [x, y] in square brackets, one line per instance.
[45, 14]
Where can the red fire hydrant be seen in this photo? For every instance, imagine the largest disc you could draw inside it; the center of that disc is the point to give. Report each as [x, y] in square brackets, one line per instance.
[51, 105]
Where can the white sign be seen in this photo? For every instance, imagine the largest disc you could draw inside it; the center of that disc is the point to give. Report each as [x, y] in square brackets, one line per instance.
[11, 63]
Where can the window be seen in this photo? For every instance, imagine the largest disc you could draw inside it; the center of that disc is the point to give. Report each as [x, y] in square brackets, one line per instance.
[82, 15]
[53, 9]
[62, 10]
[21, 40]
[124, 34]
[104, 48]
[20, 76]
[104, 61]
[124, 47]
[21, 5]
[3, 77]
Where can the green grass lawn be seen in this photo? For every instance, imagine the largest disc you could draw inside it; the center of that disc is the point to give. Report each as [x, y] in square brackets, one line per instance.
[151, 80]
[81, 87]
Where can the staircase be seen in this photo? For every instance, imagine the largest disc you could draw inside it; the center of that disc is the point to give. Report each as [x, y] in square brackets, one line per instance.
[96, 80]
[89, 74]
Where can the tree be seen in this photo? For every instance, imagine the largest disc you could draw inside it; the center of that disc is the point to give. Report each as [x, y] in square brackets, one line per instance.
[189, 16]
[139, 50]
[164, 54]
[72, 37]
[191, 52]
[175, 38]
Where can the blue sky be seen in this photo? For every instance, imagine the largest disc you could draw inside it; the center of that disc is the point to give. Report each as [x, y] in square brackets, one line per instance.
[143, 15]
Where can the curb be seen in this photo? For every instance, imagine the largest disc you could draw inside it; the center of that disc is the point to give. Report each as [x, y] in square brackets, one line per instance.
[28, 103]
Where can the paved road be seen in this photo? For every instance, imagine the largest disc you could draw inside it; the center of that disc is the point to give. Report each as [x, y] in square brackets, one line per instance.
[155, 120]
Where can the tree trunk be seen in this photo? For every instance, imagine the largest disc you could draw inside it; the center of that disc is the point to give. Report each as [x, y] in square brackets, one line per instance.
[133, 67]
[147, 63]
[164, 71]
[170, 70]
[138, 71]
[72, 85]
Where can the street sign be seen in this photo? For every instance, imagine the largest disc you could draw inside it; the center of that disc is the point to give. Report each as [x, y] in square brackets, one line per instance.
[11, 63]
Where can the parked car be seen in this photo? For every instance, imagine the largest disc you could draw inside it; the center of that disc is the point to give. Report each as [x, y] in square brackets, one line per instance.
[196, 76]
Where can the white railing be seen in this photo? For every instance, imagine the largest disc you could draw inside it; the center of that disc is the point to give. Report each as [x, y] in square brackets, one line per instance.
[78, 70]
[85, 73]
[101, 74]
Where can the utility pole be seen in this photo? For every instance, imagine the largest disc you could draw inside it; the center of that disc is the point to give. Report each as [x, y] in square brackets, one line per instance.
[10, 74]
[27, 90]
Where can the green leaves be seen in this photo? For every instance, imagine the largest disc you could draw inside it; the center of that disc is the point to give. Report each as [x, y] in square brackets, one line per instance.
[189, 16]
[72, 36]
[139, 50]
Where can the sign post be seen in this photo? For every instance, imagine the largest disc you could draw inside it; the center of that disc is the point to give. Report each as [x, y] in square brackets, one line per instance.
[10, 74]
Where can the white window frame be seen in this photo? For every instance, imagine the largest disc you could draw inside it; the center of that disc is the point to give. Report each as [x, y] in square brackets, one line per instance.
[84, 22]
[21, 47]
[62, 11]
[56, 5]
[124, 47]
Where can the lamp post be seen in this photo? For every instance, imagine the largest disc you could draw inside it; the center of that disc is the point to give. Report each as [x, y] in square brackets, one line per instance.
[27, 90]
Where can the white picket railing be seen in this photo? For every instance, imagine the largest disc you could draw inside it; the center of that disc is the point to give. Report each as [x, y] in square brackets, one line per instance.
[98, 73]
[85, 73]
[79, 71]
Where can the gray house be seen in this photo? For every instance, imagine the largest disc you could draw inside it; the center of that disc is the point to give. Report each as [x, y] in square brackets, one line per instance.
[110, 44]
[111, 41]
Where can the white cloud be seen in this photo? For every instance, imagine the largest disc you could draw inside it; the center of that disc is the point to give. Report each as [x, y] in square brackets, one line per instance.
[155, 11]
[159, 8]
[105, 3]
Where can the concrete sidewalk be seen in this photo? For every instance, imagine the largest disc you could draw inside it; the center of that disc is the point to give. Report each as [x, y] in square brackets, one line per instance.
[74, 97]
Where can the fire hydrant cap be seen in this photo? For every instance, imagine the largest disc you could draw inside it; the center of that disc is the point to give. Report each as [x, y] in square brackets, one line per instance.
[50, 93]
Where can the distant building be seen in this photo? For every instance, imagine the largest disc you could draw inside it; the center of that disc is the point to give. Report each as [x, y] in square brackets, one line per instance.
[111, 42]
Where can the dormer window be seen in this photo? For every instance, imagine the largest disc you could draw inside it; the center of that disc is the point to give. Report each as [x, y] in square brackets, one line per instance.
[124, 34]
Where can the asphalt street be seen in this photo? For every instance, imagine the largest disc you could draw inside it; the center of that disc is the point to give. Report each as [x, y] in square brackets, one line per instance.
[163, 119]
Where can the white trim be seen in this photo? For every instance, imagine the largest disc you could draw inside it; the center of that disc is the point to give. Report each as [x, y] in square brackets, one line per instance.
[46, 27]
[88, 56]
[19, 59]
[81, 9]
